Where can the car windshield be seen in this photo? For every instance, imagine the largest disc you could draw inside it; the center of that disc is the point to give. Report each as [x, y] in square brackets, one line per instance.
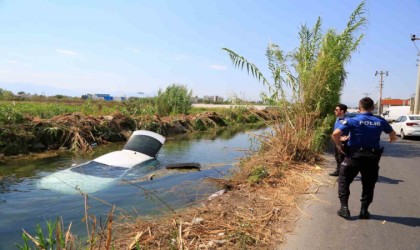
[414, 117]
[99, 170]
[144, 144]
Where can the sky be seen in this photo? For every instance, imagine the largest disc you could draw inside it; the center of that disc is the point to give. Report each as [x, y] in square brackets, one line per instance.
[135, 48]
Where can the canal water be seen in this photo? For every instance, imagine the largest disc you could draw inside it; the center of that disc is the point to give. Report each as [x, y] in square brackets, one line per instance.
[24, 203]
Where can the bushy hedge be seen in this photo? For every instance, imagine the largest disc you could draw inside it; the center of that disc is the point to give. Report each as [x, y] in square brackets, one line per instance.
[175, 99]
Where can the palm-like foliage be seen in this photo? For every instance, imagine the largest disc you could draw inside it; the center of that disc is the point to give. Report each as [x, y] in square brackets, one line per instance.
[308, 80]
[315, 69]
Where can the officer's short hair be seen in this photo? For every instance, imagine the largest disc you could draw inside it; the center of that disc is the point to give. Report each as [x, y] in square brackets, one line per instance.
[366, 103]
[342, 107]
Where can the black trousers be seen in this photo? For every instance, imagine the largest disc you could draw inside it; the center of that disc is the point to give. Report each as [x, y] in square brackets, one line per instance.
[369, 170]
[339, 158]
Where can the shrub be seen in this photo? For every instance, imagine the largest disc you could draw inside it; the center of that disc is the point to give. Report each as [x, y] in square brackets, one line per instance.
[176, 99]
[257, 175]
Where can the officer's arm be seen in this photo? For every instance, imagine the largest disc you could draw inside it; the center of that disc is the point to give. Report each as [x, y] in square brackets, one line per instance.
[392, 136]
[391, 133]
[336, 138]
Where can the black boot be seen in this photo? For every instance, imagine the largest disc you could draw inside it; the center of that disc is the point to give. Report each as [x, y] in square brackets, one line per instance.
[335, 173]
[344, 212]
[364, 213]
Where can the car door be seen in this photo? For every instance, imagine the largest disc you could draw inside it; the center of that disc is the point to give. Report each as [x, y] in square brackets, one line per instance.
[402, 122]
[397, 125]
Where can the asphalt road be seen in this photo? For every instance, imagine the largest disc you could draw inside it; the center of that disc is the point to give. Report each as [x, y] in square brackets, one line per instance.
[395, 220]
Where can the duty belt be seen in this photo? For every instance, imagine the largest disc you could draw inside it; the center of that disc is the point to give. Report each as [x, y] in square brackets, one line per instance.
[373, 150]
[367, 150]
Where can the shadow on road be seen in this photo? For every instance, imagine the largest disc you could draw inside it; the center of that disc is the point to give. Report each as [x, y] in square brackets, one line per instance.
[383, 179]
[386, 180]
[408, 221]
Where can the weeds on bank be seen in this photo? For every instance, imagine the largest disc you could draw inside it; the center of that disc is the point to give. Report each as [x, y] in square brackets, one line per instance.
[99, 236]
[54, 238]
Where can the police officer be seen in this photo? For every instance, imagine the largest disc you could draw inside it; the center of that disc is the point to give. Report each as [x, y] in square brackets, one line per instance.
[340, 112]
[364, 151]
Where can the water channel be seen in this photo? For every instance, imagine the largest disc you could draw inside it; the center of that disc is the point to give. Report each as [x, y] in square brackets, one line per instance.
[24, 204]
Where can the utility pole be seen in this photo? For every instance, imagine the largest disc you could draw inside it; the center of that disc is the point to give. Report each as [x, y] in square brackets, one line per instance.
[417, 97]
[366, 94]
[381, 86]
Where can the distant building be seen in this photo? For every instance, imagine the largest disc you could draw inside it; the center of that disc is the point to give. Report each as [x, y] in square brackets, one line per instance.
[105, 97]
[213, 98]
[119, 98]
[24, 95]
[386, 103]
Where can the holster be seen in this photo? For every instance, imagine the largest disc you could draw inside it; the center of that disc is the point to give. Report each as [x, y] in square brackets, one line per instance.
[367, 153]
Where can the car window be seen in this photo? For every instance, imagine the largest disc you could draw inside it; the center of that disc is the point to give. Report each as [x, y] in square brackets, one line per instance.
[414, 117]
[399, 119]
[403, 118]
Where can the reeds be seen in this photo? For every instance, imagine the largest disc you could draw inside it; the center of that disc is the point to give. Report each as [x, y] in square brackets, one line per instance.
[56, 237]
[306, 85]
[98, 236]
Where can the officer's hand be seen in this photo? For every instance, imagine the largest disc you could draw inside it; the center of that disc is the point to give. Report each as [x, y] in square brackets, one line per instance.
[344, 138]
[392, 137]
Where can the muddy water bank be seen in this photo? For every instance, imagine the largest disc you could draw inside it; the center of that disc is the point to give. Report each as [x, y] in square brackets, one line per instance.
[77, 132]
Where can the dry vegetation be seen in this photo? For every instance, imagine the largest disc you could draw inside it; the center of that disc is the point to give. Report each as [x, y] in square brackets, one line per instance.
[250, 215]
[77, 132]
[263, 196]
[246, 217]
[260, 205]
[255, 213]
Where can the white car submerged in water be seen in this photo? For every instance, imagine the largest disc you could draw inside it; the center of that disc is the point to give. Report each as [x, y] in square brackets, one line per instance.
[98, 173]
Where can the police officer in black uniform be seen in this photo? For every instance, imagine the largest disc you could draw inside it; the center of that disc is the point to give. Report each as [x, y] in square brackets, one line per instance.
[364, 152]
[340, 112]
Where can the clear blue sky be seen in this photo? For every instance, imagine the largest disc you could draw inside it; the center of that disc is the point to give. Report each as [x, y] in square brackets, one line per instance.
[124, 47]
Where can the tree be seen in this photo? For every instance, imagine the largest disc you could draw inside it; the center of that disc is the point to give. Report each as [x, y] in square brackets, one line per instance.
[313, 74]
[6, 95]
[307, 82]
[176, 99]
